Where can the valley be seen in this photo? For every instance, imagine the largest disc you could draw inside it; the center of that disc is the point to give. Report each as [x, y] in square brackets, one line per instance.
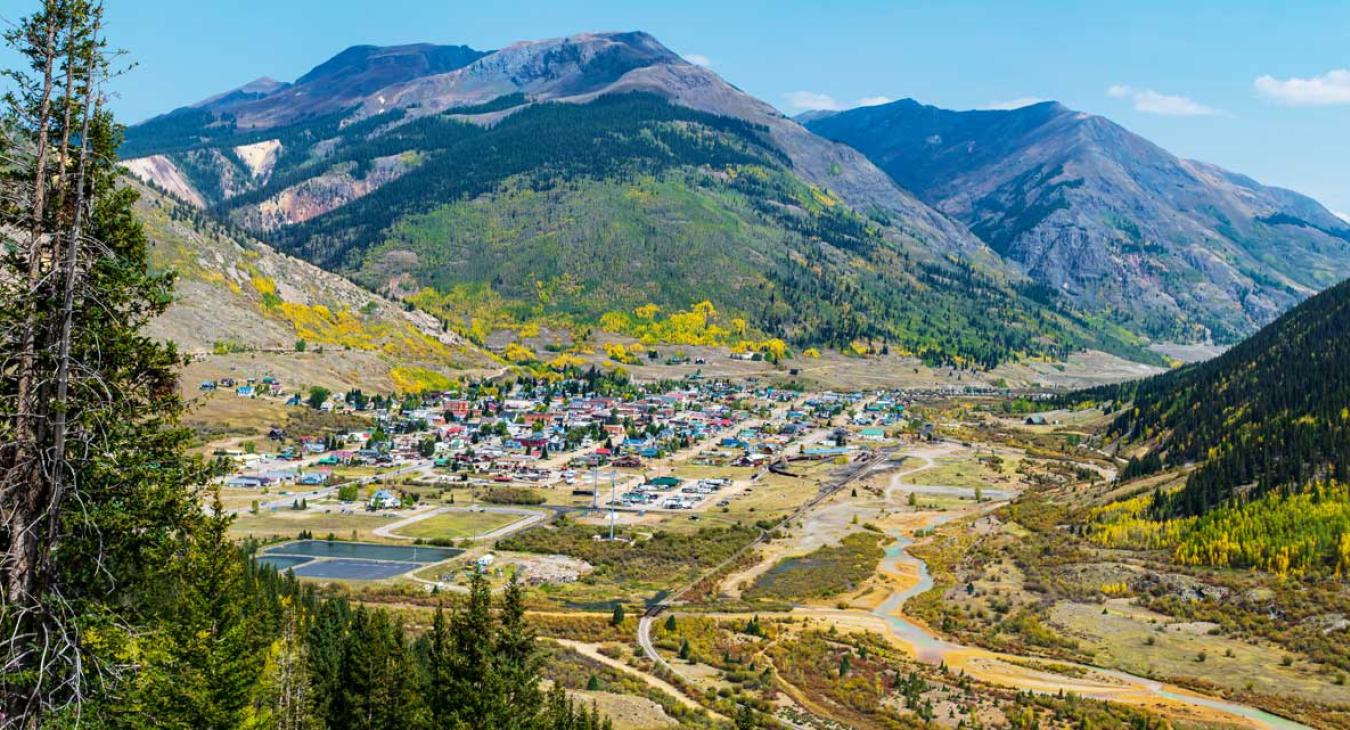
[761, 439]
[567, 385]
[851, 545]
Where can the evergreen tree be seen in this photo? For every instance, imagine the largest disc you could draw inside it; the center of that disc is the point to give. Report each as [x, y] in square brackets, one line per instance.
[89, 405]
[284, 696]
[517, 657]
[213, 655]
[325, 639]
[472, 682]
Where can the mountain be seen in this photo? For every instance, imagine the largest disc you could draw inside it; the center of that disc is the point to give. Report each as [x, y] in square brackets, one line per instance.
[570, 179]
[333, 87]
[1178, 249]
[1273, 412]
[237, 295]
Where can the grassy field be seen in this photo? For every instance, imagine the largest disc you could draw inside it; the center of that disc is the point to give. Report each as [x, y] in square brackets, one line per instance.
[456, 525]
[828, 571]
[223, 420]
[772, 497]
[241, 497]
[638, 566]
[1142, 642]
[968, 470]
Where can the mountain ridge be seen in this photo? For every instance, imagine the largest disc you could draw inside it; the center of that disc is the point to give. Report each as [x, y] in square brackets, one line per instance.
[582, 66]
[374, 169]
[1119, 224]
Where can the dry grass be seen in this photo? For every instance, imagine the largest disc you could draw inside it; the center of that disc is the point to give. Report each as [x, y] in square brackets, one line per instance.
[287, 523]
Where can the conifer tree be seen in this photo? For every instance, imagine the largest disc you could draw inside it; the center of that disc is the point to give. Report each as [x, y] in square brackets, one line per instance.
[516, 656]
[213, 653]
[473, 684]
[89, 405]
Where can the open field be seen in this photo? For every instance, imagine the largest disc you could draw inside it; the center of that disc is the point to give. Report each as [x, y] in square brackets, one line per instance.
[456, 525]
[970, 469]
[223, 420]
[1143, 642]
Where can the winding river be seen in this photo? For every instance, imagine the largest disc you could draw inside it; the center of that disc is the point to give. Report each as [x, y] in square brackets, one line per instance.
[1104, 684]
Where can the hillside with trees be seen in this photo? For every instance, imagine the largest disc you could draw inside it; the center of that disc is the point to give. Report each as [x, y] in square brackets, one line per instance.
[637, 201]
[1267, 427]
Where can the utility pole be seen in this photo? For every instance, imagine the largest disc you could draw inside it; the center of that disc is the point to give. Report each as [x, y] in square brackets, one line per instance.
[595, 488]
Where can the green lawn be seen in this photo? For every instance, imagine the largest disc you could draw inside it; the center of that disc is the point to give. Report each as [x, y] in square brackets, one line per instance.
[456, 525]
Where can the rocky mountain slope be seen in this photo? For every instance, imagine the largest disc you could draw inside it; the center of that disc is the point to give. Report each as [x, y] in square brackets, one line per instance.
[1176, 248]
[238, 295]
[597, 173]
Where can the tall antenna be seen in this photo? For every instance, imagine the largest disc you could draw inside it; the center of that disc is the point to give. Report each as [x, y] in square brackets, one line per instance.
[613, 498]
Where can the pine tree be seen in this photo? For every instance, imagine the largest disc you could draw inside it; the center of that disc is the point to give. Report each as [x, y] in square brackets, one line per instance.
[517, 658]
[472, 682]
[89, 405]
[284, 697]
[206, 673]
[439, 665]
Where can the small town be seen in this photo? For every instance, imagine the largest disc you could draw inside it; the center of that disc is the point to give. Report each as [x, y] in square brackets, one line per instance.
[602, 448]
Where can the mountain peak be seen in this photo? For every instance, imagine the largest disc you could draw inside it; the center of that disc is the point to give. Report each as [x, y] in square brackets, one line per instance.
[382, 65]
[1089, 208]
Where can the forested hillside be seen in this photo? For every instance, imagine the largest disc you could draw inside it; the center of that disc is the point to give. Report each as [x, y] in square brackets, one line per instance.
[1273, 411]
[1267, 425]
[638, 201]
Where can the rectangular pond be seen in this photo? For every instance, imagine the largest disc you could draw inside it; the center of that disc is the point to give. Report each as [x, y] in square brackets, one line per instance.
[347, 569]
[282, 562]
[421, 554]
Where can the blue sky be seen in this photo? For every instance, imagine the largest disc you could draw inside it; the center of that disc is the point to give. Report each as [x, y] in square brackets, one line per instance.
[1250, 86]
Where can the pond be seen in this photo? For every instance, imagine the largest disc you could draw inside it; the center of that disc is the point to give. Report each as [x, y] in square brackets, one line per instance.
[362, 551]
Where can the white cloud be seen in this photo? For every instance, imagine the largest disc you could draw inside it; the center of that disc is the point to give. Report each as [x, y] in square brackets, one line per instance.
[1343, 216]
[874, 100]
[1017, 103]
[809, 100]
[1332, 87]
[698, 59]
[1153, 102]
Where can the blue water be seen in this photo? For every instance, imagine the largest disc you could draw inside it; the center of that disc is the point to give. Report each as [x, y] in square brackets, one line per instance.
[344, 569]
[931, 648]
[283, 562]
[363, 551]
